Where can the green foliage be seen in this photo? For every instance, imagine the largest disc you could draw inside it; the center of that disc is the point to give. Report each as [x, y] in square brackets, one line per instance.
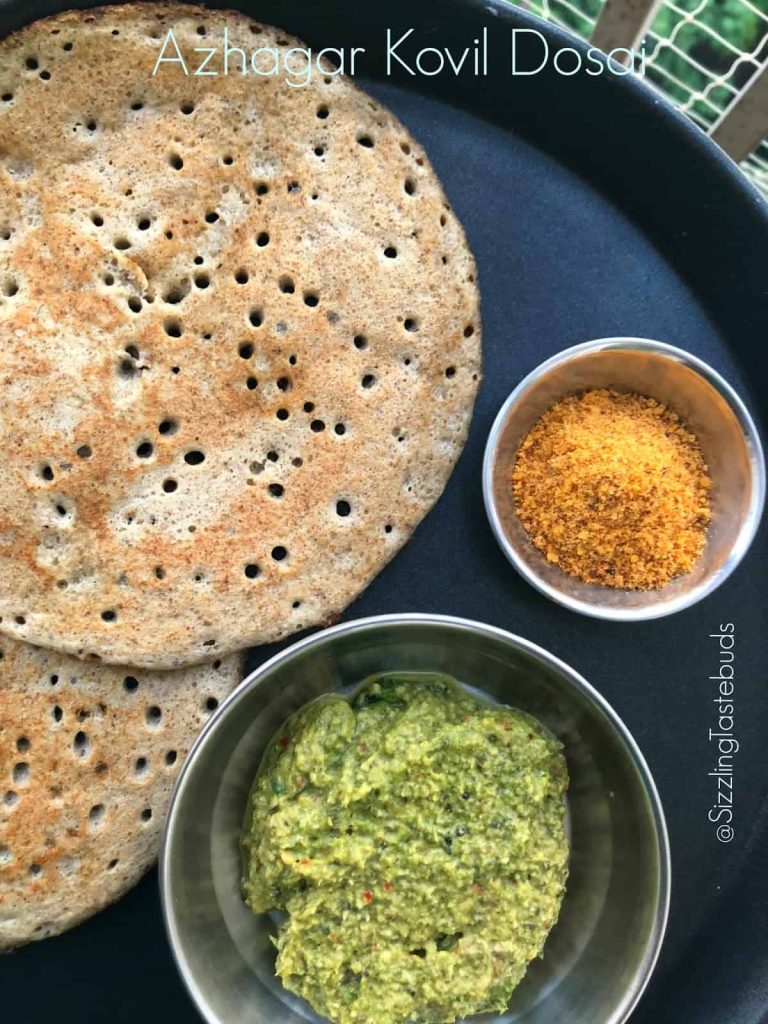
[731, 19]
[679, 74]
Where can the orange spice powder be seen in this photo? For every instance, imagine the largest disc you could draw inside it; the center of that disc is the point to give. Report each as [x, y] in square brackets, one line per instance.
[613, 489]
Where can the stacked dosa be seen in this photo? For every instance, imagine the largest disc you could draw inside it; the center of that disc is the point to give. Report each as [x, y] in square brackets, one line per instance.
[239, 340]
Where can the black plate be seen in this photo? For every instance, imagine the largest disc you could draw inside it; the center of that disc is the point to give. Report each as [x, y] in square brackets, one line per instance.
[594, 210]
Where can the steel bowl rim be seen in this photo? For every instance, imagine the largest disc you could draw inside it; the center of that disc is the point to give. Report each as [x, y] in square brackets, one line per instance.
[642, 975]
[746, 532]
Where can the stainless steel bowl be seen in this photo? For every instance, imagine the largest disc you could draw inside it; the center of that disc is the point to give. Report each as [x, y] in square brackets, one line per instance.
[711, 408]
[601, 952]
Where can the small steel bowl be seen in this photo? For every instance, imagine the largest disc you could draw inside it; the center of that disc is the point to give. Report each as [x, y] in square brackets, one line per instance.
[600, 954]
[708, 405]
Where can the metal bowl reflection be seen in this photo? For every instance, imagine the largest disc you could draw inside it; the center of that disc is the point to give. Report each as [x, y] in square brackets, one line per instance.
[600, 954]
[708, 405]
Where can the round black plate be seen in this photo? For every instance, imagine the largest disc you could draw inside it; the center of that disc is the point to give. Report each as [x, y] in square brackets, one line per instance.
[594, 210]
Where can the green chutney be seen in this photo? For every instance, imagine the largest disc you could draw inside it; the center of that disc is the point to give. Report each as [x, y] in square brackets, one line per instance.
[415, 837]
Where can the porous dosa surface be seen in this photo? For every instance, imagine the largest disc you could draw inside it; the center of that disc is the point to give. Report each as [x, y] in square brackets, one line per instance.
[88, 757]
[239, 340]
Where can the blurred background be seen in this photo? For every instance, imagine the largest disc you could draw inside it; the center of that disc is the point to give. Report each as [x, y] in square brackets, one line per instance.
[709, 56]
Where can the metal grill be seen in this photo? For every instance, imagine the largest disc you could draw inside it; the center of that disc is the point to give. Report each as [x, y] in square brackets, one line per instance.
[710, 57]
